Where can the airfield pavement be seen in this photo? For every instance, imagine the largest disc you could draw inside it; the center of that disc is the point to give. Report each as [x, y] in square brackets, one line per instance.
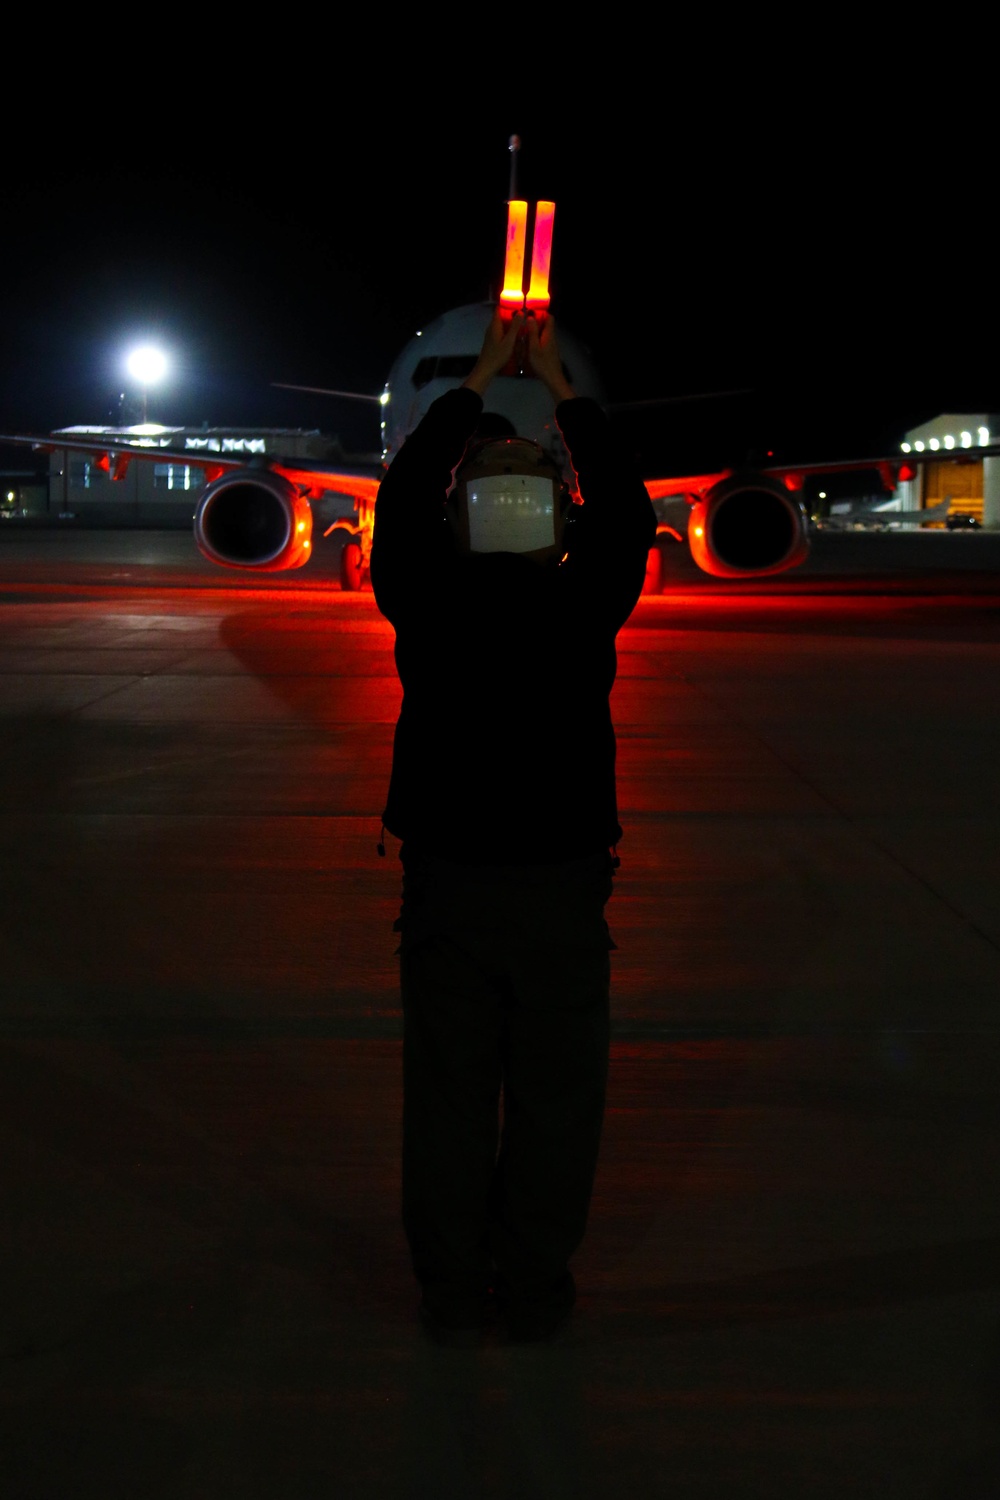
[790, 1286]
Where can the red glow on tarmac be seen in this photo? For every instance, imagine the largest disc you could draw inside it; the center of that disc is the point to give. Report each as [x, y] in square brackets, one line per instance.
[541, 256]
[512, 295]
[161, 594]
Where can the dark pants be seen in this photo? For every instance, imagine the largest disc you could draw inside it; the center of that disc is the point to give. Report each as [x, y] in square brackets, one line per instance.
[505, 976]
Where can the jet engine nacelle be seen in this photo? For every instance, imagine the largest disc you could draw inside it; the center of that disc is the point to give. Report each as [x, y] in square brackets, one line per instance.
[254, 519]
[746, 526]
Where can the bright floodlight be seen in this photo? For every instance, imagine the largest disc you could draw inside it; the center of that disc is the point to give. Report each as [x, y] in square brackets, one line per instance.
[147, 365]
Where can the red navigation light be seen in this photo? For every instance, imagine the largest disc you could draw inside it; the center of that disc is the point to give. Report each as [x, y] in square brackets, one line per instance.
[512, 296]
[541, 256]
[906, 472]
[888, 475]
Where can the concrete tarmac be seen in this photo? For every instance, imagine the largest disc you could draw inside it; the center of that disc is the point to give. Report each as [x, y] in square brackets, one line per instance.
[790, 1286]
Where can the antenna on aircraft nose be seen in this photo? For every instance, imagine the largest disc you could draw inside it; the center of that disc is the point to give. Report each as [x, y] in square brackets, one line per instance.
[513, 146]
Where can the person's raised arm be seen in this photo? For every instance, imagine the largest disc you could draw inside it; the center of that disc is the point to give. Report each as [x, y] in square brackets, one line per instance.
[616, 527]
[545, 359]
[498, 345]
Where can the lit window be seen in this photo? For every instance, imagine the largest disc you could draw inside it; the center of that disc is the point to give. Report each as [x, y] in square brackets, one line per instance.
[443, 367]
[84, 474]
[177, 477]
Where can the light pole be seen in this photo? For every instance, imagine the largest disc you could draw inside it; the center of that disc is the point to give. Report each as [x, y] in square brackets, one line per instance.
[146, 365]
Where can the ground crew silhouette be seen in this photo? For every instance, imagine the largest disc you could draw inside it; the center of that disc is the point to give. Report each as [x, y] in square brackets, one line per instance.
[502, 791]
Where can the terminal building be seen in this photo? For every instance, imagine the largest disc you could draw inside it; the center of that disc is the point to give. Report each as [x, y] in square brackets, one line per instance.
[84, 486]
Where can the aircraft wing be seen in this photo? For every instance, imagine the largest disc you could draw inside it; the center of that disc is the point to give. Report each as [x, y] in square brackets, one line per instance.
[254, 511]
[748, 523]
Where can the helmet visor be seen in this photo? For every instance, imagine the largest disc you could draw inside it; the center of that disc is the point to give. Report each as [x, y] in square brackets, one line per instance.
[510, 512]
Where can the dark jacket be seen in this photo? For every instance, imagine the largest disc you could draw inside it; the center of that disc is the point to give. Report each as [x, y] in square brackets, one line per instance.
[504, 750]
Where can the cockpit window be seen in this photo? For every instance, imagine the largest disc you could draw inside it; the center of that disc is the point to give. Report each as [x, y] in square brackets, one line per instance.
[451, 367]
[443, 367]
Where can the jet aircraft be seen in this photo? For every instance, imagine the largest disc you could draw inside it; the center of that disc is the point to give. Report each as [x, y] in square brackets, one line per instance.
[257, 513]
[883, 514]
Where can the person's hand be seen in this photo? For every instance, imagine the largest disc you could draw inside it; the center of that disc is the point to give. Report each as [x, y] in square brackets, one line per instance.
[544, 357]
[498, 345]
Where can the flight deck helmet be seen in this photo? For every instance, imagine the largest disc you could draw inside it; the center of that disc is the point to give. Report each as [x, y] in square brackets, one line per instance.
[509, 496]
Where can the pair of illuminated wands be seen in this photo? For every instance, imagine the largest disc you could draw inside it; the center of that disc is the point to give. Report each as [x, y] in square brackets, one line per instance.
[513, 297]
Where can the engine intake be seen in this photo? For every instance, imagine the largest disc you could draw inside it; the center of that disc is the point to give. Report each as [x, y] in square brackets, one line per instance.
[747, 526]
[255, 521]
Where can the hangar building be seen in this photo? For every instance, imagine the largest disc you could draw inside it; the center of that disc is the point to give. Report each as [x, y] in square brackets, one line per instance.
[947, 453]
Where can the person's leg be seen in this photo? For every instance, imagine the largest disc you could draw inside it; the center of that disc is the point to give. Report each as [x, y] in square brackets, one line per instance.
[451, 1085]
[555, 1066]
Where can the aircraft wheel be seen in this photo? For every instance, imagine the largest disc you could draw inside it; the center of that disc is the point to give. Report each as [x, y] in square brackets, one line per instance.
[350, 567]
[653, 583]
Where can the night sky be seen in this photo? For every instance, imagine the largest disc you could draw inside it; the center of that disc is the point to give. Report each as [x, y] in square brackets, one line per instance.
[716, 239]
